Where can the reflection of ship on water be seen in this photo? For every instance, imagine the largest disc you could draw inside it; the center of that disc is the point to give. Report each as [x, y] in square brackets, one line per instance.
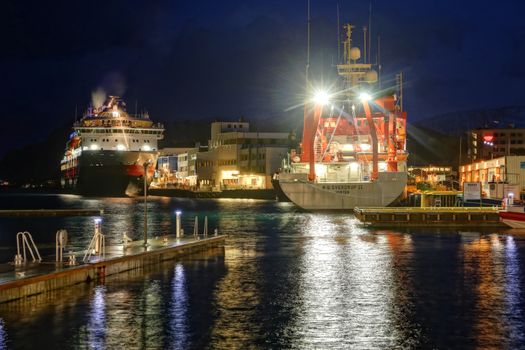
[353, 150]
[109, 150]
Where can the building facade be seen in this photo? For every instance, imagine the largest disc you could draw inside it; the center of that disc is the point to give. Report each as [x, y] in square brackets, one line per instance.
[498, 176]
[238, 158]
[487, 143]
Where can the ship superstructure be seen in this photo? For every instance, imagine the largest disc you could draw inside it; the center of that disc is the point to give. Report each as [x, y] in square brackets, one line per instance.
[109, 150]
[353, 151]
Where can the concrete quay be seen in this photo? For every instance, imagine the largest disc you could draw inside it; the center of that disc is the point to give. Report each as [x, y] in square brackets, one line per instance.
[34, 278]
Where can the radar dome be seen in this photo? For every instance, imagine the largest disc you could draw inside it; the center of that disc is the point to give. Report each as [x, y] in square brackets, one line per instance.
[371, 76]
[355, 53]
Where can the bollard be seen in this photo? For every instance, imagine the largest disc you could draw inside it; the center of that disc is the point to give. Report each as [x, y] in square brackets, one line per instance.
[216, 232]
[72, 258]
[18, 260]
[125, 240]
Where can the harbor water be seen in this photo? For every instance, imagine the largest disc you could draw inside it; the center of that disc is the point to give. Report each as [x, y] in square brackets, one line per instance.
[285, 279]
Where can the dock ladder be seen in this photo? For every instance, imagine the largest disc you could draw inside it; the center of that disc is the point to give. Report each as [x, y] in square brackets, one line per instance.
[26, 240]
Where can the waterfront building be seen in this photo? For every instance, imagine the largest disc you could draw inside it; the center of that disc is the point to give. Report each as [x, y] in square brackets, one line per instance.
[432, 177]
[187, 168]
[488, 143]
[168, 166]
[498, 176]
[238, 158]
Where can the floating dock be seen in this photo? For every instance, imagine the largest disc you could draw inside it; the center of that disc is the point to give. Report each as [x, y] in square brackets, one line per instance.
[430, 217]
[34, 278]
[50, 212]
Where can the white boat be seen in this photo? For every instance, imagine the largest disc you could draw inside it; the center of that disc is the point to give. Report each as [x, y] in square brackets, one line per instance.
[353, 151]
[513, 216]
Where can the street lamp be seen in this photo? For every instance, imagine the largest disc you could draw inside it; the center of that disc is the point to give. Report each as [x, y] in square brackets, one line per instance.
[145, 176]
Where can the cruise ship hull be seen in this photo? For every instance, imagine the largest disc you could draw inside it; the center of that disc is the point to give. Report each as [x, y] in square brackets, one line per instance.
[109, 173]
[308, 195]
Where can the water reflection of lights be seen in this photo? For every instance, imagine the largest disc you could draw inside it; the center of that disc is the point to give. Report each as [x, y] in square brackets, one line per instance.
[97, 319]
[237, 297]
[347, 289]
[483, 261]
[514, 312]
[179, 309]
[3, 335]
[151, 309]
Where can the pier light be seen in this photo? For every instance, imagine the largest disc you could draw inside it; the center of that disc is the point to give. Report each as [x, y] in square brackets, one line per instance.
[178, 229]
[365, 97]
[321, 98]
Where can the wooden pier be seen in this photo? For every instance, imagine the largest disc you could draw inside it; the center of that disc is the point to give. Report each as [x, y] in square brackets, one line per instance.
[429, 217]
[34, 278]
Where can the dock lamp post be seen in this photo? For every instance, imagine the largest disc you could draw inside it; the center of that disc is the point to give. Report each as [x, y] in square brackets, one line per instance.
[177, 231]
[145, 176]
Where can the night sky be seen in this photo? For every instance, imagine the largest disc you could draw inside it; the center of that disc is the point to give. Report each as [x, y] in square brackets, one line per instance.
[222, 59]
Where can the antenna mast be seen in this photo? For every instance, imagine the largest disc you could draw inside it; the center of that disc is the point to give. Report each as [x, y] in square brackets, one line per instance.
[365, 38]
[379, 60]
[308, 46]
[338, 37]
[369, 32]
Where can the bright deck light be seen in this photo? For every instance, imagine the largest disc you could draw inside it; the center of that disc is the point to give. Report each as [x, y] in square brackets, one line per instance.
[93, 147]
[321, 98]
[121, 147]
[146, 148]
[365, 97]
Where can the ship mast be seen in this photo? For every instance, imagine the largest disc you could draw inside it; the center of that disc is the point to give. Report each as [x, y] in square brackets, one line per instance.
[355, 75]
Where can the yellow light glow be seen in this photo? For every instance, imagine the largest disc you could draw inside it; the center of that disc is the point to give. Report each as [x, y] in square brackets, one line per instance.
[365, 146]
[348, 147]
[228, 174]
